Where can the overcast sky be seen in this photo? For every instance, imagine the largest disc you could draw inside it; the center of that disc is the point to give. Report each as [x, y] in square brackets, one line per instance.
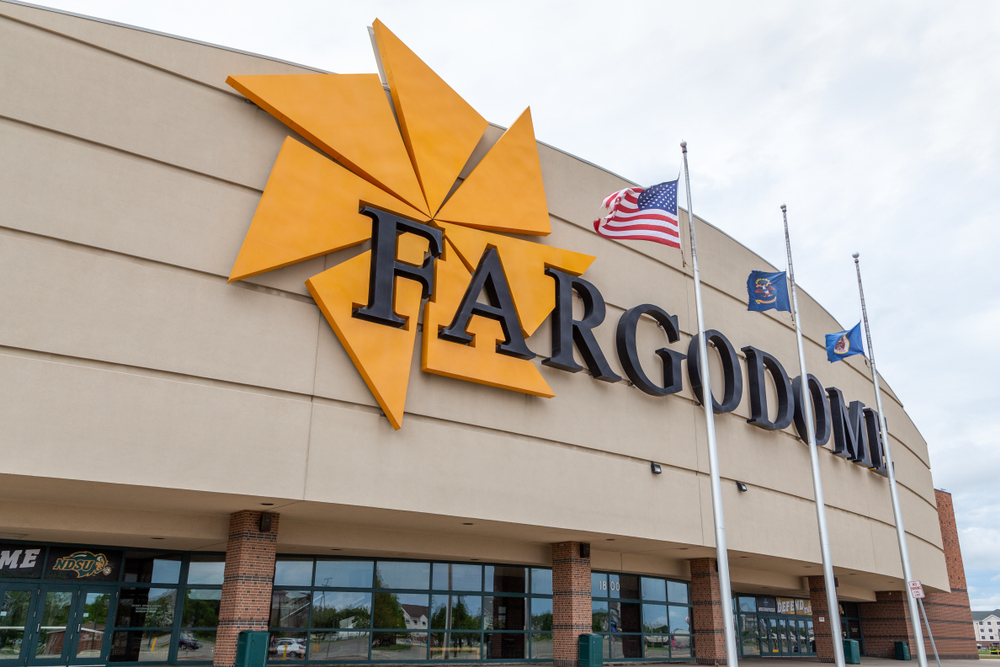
[877, 123]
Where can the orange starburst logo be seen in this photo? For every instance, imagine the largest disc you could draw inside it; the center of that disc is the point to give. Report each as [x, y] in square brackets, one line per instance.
[402, 174]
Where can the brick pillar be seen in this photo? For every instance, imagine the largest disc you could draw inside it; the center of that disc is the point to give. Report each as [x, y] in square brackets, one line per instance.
[571, 607]
[246, 587]
[949, 613]
[707, 624]
[885, 622]
[821, 618]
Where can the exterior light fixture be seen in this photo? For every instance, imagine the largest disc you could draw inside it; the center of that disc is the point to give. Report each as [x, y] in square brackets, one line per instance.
[655, 467]
[741, 486]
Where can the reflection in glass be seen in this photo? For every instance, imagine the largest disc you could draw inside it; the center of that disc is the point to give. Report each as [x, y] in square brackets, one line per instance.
[654, 590]
[680, 632]
[90, 640]
[341, 609]
[145, 568]
[201, 608]
[504, 646]
[502, 613]
[456, 612]
[598, 585]
[629, 587]
[290, 609]
[140, 646]
[624, 617]
[456, 646]
[344, 573]
[677, 592]
[541, 614]
[748, 604]
[196, 645]
[749, 634]
[206, 570]
[13, 618]
[292, 572]
[398, 646]
[52, 631]
[338, 646]
[390, 574]
[656, 647]
[146, 608]
[506, 579]
[286, 647]
[654, 618]
[599, 616]
[541, 581]
[541, 646]
[783, 635]
[401, 611]
[458, 577]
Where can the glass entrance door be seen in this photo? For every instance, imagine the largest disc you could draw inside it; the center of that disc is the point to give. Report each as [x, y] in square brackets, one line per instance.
[69, 625]
[15, 614]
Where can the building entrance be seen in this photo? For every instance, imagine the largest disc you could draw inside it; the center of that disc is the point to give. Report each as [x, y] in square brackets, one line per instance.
[774, 627]
[54, 624]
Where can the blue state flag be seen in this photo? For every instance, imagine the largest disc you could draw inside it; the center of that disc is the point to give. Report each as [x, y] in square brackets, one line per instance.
[843, 344]
[767, 291]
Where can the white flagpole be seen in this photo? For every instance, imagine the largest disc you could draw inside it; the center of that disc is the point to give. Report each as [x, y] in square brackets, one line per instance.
[721, 551]
[904, 553]
[832, 605]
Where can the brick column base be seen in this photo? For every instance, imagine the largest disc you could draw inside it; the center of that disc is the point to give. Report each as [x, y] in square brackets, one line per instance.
[821, 618]
[571, 604]
[707, 624]
[885, 622]
[246, 586]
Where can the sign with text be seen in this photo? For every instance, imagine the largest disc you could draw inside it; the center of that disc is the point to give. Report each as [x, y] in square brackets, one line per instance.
[20, 561]
[916, 589]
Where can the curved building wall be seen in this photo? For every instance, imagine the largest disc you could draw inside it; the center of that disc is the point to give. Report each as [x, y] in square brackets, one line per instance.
[143, 396]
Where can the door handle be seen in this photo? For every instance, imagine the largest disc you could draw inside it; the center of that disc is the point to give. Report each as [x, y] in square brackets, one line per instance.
[78, 626]
[38, 628]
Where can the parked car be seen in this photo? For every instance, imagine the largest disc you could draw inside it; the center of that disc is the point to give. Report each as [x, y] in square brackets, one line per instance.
[288, 648]
[187, 641]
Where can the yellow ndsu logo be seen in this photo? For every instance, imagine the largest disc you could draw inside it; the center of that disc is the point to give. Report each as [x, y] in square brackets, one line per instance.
[437, 241]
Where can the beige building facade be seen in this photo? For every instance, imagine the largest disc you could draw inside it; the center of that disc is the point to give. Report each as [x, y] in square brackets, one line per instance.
[145, 402]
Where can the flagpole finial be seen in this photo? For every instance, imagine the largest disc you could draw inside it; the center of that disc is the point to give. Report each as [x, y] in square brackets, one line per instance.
[684, 146]
[783, 208]
[855, 255]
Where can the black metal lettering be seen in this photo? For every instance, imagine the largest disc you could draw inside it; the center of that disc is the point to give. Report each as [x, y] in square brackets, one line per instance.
[629, 356]
[566, 331]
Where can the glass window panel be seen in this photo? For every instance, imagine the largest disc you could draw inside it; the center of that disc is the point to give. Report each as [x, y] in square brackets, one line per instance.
[656, 647]
[196, 646]
[458, 577]
[677, 592]
[390, 574]
[783, 635]
[598, 585]
[504, 646]
[348, 645]
[146, 568]
[90, 642]
[401, 611]
[206, 570]
[13, 618]
[140, 646]
[506, 579]
[680, 632]
[344, 573]
[654, 618]
[456, 646]
[500, 613]
[614, 585]
[456, 612]
[599, 616]
[52, 627]
[748, 604]
[541, 581]
[629, 616]
[654, 590]
[629, 587]
[293, 572]
[146, 607]
[347, 610]
[398, 646]
[541, 614]
[201, 608]
[290, 609]
[749, 634]
[541, 646]
[286, 647]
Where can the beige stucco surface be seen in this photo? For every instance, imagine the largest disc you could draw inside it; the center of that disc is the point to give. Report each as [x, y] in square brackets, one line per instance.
[142, 396]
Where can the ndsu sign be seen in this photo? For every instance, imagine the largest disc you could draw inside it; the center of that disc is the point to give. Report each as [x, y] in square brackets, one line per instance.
[438, 243]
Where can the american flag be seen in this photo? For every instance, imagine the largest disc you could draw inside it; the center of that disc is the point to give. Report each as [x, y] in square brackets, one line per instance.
[642, 214]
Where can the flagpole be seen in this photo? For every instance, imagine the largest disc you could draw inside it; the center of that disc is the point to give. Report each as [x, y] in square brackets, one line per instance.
[832, 606]
[904, 553]
[721, 550]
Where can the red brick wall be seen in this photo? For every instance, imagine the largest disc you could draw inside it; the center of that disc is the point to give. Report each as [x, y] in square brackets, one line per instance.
[885, 622]
[571, 604]
[949, 614]
[707, 623]
[246, 587]
[820, 609]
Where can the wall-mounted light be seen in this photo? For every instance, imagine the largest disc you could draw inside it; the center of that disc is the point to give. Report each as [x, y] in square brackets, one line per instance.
[655, 467]
[741, 486]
